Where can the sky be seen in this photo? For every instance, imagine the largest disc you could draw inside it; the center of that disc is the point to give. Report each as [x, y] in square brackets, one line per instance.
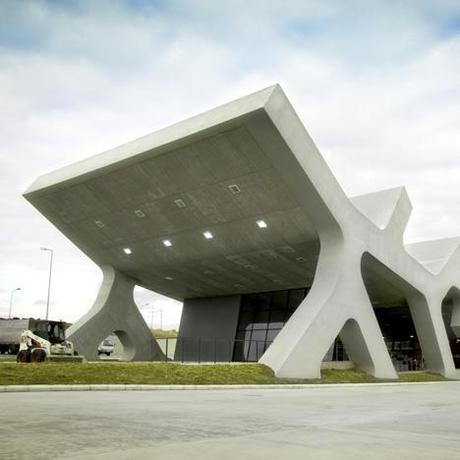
[376, 83]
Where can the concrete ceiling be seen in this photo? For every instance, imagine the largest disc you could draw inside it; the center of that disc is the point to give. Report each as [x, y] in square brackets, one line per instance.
[178, 195]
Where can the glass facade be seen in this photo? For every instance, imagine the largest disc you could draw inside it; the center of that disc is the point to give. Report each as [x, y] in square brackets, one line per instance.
[262, 316]
[400, 337]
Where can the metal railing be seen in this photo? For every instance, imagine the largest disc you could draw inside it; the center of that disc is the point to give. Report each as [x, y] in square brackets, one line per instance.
[202, 350]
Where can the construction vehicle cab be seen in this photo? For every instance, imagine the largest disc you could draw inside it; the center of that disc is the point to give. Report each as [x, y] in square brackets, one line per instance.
[53, 331]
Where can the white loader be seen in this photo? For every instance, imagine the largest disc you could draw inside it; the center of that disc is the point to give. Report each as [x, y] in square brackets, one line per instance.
[47, 343]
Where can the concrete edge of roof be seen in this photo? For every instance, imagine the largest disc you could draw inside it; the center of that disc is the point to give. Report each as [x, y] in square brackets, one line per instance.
[384, 201]
[432, 252]
[144, 387]
[166, 136]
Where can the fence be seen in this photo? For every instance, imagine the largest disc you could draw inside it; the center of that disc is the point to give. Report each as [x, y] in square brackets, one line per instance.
[200, 350]
[211, 350]
[187, 349]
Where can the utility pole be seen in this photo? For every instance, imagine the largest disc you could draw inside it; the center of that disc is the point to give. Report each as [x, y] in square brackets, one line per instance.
[11, 300]
[49, 280]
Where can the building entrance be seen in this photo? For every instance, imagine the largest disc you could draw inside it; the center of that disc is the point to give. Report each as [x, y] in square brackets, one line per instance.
[262, 316]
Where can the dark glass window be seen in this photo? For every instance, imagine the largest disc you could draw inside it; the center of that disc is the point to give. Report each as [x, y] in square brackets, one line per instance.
[295, 297]
[262, 316]
[280, 299]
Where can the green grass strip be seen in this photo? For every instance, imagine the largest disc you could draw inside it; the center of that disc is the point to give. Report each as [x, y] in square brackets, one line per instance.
[171, 373]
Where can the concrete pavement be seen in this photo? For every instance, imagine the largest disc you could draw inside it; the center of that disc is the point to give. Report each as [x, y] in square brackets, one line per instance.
[342, 422]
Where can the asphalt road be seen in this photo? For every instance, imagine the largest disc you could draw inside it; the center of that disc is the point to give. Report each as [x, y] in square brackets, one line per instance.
[361, 422]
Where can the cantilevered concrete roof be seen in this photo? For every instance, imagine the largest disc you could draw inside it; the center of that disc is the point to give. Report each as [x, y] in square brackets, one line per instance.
[212, 173]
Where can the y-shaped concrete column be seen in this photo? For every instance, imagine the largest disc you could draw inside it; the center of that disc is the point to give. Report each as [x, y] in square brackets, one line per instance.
[431, 333]
[114, 311]
[336, 304]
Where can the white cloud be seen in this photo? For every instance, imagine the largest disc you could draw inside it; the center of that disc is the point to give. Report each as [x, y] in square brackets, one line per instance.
[377, 88]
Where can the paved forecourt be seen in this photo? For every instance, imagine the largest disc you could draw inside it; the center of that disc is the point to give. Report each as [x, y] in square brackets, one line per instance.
[341, 422]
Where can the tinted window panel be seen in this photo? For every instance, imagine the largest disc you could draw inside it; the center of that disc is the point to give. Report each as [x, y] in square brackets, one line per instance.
[295, 298]
[262, 316]
[279, 300]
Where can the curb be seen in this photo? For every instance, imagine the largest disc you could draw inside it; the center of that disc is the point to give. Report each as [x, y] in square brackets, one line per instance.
[134, 387]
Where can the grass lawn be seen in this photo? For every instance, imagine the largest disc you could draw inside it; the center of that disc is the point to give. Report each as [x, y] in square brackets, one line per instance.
[169, 373]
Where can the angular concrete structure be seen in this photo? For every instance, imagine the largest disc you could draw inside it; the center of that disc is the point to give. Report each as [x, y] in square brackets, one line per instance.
[233, 209]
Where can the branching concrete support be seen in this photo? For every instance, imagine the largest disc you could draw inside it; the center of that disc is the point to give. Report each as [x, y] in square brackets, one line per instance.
[114, 311]
[432, 335]
[336, 304]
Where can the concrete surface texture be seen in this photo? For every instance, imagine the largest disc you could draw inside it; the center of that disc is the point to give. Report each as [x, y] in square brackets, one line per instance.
[176, 212]
[353, 422]
[115, 312]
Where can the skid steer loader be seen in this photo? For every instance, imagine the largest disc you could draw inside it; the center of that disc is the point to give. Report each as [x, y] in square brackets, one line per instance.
[46, 343]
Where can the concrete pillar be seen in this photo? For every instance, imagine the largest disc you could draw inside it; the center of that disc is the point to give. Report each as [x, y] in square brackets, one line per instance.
[336, 304]
[431, 332]
[114, 311]
[361, 337]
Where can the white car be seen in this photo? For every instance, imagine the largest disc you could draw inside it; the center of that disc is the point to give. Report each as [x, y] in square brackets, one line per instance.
[105, 347]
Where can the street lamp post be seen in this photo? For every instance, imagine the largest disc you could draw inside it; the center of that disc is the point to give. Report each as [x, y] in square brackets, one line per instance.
[152, 312]
[161, 318]
[49, 280]
[11, 300]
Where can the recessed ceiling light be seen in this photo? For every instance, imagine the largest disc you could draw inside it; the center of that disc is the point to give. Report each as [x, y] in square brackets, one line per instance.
[180, 203]
[208, 235]
[234, 189]
[167, 243]
[261, 224]
[127, 251]
[139, 213]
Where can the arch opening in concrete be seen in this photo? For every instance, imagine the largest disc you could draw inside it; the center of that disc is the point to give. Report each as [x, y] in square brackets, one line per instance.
[349, 350]
[129, 349]
[336, 353]
[111, 348]
[390, 297]
[356, 347]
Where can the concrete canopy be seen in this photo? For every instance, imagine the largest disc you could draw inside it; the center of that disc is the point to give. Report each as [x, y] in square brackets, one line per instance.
[212, 173]
[222, 172]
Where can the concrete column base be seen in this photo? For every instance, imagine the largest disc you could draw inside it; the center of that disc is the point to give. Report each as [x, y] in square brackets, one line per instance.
[114, 311]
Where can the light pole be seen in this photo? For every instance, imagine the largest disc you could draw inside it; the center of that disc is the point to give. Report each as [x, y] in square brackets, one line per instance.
[11, 300]
[161, 318]
[160, 311]
[49, 280]
[148, 305]
[152, 312]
